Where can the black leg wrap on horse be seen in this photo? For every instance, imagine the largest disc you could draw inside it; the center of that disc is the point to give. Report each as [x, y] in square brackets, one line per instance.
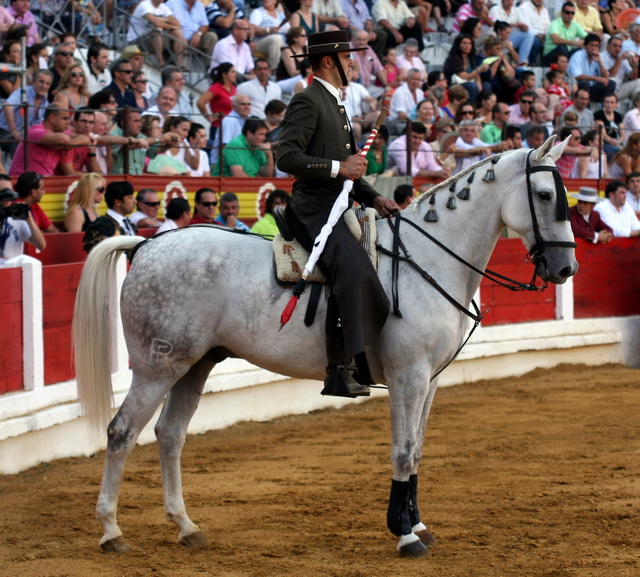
[414, 513]
[398, 520]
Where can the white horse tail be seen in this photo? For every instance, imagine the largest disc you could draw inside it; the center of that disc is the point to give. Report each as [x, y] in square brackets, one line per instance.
[92, 328]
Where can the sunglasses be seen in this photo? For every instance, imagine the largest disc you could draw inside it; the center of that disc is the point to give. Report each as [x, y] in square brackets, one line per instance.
[76, 74]
[154, 204]
[567, 12]
[467, 112]
[142, 81]
[125, 71]
[527, 102]
[100, 189]
[208, 204]
[65, 53]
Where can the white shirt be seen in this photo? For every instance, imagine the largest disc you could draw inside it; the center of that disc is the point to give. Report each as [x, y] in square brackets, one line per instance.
[228, 50]
[120, 220]
[609, 62]
[136, 217]
[403, 101]
[497, 12]
[538, 22]
[139, 25]
[633, 202]
[14, 233]
[260, 95]
[355, 93]
[168, 224]
[622, 221]
[97, 83]
[466, 161]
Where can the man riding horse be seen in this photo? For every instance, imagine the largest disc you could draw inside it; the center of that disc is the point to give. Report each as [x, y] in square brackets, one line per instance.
[318, 148]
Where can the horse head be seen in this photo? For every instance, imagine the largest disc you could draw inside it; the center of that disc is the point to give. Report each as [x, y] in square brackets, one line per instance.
[537, 210]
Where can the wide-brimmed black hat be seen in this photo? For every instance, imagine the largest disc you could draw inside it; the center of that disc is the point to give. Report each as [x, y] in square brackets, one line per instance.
[329, 42]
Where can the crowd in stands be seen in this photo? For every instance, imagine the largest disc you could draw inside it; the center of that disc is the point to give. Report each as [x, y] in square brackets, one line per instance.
[514, 75]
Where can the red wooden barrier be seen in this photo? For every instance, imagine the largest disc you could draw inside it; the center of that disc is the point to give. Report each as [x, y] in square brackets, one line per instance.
[11, 373]
[505, 306]
[61, 248]
[59, 285]
[608, 282]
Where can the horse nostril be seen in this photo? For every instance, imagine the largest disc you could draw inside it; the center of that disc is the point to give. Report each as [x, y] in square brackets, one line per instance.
[566, 272]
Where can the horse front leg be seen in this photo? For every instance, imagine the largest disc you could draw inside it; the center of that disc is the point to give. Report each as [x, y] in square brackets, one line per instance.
[409, 395]
[171, 432]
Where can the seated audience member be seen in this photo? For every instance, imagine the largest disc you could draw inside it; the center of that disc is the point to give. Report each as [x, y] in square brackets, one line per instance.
[588, 17]
[97, 67]
[621, 66]
[156, 17]
[534, 136]
[493, 132]
[593, 164]
[83, 158]
[633, 191]
[173, 77]
[573, 149]
[361, 107]
[14, 233]
[288, 72]
[195, 25]
[631, 121]
[49, 145]
[30, 189]
[410, 58]
[72, 92]
[260, 90]
[229, 209]
[536, 16]
[423, 159]
[565, 36]
[177, 215]
[10, 57]
[406, 98]
[267, 225]
[470, 149]
[101, 228]
[398, 21]
[139, 84]
[403, 195]
[585, 66]
[266, 21]
[83, 206]
[206, 201]
[166, 104]
[461, 67]
[128, 125]
[62, 59]
[21, 15]
[520, 35]
[221, 15]
[120, 204]
[586, 222]
[197, 141]
[135, 56]
[513, 137]
[231, 125]
[171, 158]
[234, 49]
[148, 203]
[37, 59]
[378, 153]
[121, 74]
[475, 9]
[616, 213]
[249, 154]
[274, 112]
[368, 62]
[520, 113]
[105, 101]
[580, 106]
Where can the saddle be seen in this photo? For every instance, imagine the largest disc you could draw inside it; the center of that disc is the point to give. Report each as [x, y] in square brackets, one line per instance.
[290, 257]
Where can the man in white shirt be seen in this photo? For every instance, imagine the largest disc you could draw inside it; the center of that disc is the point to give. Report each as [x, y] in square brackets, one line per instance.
[165, 104]
[405, 99]
[260, 90]
[633, 192]
[423, 159]
[148, 203]
[234, 49]
[536, 15]
[97, 68]
[621, 65]
[616, 213]
[173, 77]
[178, 214]
[470, 149]
[521, 36]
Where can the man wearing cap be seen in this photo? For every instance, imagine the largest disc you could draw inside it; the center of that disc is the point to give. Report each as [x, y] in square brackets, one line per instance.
[14, 233]
[586, 222]
[616, 213]
[134, 55]
[318, 149]
[120, 204]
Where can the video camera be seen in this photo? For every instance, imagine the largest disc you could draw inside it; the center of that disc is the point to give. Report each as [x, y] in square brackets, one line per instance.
[16, 211]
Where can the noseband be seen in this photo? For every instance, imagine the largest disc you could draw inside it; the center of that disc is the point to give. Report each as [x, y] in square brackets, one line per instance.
[536, 254]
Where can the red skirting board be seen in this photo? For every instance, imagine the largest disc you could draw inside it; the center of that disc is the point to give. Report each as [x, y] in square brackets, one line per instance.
[11, 360]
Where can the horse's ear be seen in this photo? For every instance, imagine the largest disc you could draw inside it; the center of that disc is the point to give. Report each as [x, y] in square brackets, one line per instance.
[546, 148]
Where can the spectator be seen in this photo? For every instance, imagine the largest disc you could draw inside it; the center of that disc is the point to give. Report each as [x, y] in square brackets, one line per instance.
[423, 160]
[565, 36]
[234, 49]
[470, 149]
[197, 138]
[593, 165]
[83, 158]
[248, 154]
[98, 75]
[425, 115]
[494, 132]
[473, 9]
[274, 115]
[49, 144]
[288, 72]
[229, 209]
[631, 122]
[627, 160]
[260, 90]
[30, 189]
[513, 138]
[101, 128]
[173, 77]
[535, 136]
[361, 107]
[11, 117]
[105, 101]
[305, 18]
[330, 15]
[580, 106]
[484, 106]
[37, 59]
[520, 36]
[121, 73]
[397, 20]
[369, 64]
[460, 66]
[621, 65]
[403, 195]
[520, 113]
[586, 222]
[177, 153]
[148, 204]
[539, 119]
[616, 213]
[195, 24]
[120, 204]
[444, 154]
[411, 59]
[221, 15]
[360, 19]
[177, 215]
[611, 120]
[267, 225]
[72, 92]
[633, 192]
[139, 85]
[156, 17]
[101, 228]
[218, 97]
[62, 59]
[457, 95]
[83, 205]
[406, 98]
[128, 124]
[632, 44]
[166, 104]
[586, 68]
[588, 17]
[500, 75]
[232, 124]
[573, 149]
[19, 10]
[6, 22]
[11, 56]
[560, 89]
[609, 18]
[378, 153]
[265, 22]
[134, 55]
[536, 15]
[14, 233]
[204, 211]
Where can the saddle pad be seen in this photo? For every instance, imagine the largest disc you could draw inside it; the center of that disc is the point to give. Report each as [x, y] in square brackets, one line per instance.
[291, 258]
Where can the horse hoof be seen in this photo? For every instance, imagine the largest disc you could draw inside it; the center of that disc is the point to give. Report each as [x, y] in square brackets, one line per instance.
[411, 547]
[427, 538]
[116, 545]
[196, 539]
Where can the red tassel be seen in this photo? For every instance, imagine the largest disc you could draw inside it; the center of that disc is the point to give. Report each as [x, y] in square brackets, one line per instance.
[285, 317]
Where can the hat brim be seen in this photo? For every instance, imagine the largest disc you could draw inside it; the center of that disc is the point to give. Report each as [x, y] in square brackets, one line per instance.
[589, 199]
[328, 52]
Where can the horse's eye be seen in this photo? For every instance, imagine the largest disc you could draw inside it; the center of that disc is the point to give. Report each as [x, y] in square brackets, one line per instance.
[544, 196]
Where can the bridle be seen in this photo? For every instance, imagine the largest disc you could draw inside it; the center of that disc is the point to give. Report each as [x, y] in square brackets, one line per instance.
[399, 253]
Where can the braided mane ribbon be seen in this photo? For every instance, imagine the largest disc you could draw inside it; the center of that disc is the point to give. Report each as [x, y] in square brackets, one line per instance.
[339, 206]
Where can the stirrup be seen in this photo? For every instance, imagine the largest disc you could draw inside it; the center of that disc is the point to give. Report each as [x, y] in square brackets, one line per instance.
[283, 227]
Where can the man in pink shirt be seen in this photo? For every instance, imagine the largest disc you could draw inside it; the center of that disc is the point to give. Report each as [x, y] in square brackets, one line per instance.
[19, 9]
[234, 49]
[49, 145]
[370, 64]
[423, 159]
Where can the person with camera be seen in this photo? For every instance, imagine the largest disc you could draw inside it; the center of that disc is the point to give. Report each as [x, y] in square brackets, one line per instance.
[16, 224]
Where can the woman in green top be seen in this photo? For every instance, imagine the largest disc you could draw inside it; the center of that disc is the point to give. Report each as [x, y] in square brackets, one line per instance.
[377, 155]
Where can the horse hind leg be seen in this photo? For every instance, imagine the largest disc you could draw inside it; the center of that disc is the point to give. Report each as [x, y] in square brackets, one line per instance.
[123, 431]
[171, 432]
